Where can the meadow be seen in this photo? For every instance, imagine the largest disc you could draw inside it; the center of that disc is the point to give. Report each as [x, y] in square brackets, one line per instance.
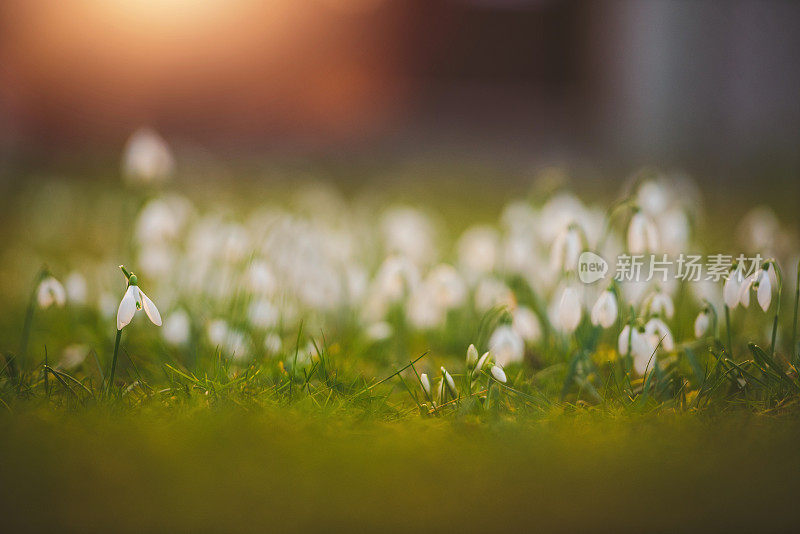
[182, 353]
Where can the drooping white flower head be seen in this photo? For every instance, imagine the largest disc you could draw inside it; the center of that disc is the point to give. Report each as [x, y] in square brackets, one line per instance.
[732, 290]
[506, 346]
[660, 303]
[761, 283]
[658, 332]
[566, 249]
[135, 299]
[526, 324]
[642, 234]
[77, 291]
[605, 310]
[702, 323]
[147, 158]
[446, 286]
[478, 251]
[638, 344]
[498, 374]
[50, 292]
[569, 310]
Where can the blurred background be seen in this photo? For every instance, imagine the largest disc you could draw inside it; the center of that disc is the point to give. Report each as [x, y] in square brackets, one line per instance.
[709, 87]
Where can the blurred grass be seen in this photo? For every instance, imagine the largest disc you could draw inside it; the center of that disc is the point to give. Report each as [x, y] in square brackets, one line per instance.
[287, 470]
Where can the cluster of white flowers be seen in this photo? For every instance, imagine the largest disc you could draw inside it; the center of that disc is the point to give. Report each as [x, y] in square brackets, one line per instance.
[246, 281]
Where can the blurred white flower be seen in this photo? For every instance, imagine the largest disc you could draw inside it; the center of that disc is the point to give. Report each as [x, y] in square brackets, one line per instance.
[702, 323]
[50, 292]
[499, 374]
[379, 331]
[273, 343]
[653, 197]
[75, 285]
[261, 279]
[638, 344]
[73, 356]
[478, 250]
[177, 328]
[147, 158]
[262, 314]
[569, 310]
[451, 384]
[135, 299]
[566, 249]
[604, 311]
[409, 232]
[423, 311]
[491, 293]
[658, 331]
[446, 286]
[526, 324]
[660, 303]
[642, 234]
[506, 346]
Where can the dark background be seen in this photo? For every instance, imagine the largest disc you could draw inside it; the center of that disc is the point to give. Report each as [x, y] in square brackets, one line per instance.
[706, 86]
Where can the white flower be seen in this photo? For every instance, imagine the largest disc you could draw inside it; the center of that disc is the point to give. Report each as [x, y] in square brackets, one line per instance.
[478, 249]
[506, 346]
[701, 323]
[177, 328]
[526, 324]
[426, 384]
[73, 356]
[658, 331]
[262, 314]
[642, 234]
[472, 355]
[451, 384]
[637, 343]
[135, 299]
[446, 286]
[731, 291]
[379, 331]
[566, 249]
[604, 311]
[75, 285]
[272, 343]
[147, 158]
[569, 310]
[660, 303]
[481, 362]
[764, 291]
[50, 292]
[499, 374]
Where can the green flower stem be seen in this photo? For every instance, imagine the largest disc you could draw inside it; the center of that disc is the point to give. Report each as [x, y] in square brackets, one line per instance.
[27, 325]
[114, 362]
[728, 330]
[777, 306]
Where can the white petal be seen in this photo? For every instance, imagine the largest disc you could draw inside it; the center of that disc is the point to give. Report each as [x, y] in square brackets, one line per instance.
[426, 384]
[150, 309]
[731, 289]
[127, 307]
[701, 324]
[569, 310]
[499, 374]
[764, 292]
[623, 343]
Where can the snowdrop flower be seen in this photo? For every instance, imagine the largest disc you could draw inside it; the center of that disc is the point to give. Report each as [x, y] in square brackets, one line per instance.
[732, 290]
[262, 314]
[604, 311]
[761, 282]
[426, 384]
[50, 292]
[569, 310]
[75, 284]
[73, 356]
[659, 303]
[135, 299]
[481, 363]
[423, 311]
[478, 249]
[506, 346]
[177, 328]
[498, 374]
[472, 356]
[702, 323]
[566, 249]
[658, 331]
[642, 234]
[147, 158]
[410, 233]
[526, 324]
[272, 343]
[491, 293]
[652, 197]
[636, 342]
[451, 384]
[379, 331]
